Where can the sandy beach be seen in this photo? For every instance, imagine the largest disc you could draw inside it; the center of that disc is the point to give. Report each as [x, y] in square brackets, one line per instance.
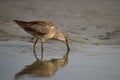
[93, 26]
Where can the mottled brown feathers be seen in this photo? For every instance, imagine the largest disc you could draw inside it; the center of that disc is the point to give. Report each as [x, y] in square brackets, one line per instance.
[38, 27]
[43, 30]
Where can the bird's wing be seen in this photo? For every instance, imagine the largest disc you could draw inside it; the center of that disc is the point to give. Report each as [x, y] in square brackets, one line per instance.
[39, 27]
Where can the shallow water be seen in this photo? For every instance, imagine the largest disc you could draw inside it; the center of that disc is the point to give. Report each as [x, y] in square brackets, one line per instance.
[85, 62]
[95, 50]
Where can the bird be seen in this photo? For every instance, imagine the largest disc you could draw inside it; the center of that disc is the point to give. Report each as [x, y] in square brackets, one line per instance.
[43, 30]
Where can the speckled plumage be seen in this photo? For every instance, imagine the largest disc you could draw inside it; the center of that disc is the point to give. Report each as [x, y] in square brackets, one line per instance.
[39, 28]
[43, 30]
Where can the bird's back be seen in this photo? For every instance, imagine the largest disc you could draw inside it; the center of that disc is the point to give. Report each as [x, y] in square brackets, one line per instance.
[37, 27]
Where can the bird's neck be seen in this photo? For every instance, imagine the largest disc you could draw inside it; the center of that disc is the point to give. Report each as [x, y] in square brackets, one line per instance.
[60, 36]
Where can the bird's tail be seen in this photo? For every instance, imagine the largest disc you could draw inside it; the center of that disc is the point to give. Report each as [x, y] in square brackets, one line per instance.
[20, 23]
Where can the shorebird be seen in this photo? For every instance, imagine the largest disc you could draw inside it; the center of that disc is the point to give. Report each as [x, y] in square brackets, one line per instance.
[43, 30]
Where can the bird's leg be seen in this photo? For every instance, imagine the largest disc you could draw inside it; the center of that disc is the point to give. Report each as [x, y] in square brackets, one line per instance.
[67, 44]
[34, 48]
[42, 49]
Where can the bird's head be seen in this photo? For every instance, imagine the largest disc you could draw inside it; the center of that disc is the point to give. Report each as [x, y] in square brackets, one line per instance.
[62, 36]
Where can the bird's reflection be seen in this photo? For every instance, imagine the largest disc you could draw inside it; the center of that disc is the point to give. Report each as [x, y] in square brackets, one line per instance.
[46, 68]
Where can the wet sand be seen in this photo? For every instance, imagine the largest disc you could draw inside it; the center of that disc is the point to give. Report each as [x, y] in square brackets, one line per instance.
[93, 26]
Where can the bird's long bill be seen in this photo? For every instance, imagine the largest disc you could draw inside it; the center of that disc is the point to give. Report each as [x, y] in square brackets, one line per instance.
[67, 44]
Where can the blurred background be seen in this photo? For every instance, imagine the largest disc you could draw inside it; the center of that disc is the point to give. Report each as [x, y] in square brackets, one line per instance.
[93, 26]
[98, 19]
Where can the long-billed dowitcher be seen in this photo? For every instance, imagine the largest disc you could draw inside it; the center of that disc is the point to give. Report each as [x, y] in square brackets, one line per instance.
[43, 30]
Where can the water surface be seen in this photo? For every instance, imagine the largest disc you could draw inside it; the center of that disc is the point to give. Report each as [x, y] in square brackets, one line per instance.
[90, 62]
